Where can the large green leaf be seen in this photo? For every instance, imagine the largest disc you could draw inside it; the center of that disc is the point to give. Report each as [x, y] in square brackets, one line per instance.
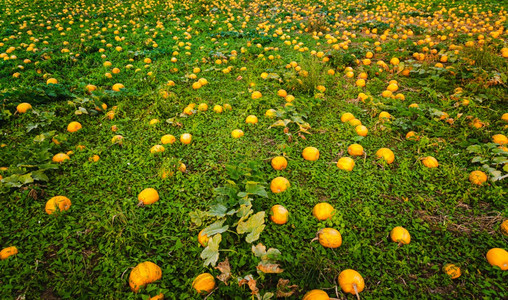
[253, 226]
[211, 253]
[215, 228]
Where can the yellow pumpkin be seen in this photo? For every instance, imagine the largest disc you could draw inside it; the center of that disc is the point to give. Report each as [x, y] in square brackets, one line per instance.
[204, 283]
[237, 133]
[251, 119]
[279, 185]
[9, 251]
[361, 130]
[498, 257]
[23, 107]
[74, 126]
[355, 150]
[310, 153]
[400, 235]
[186, 138]
[316, 295]
[143, 274]
[203, 238]
[60, 157]
[346, 163]
[279, 214]
[279, 163]
[168, 139]
[500, 139]
[60, 203]
[430, 162]
[346, 117]
[351, 282]
[504, 227]
[386, 154]
[452, 270]
[329, 238]
[477, 177]
[157, 149]
[148, 196]
[323, 211]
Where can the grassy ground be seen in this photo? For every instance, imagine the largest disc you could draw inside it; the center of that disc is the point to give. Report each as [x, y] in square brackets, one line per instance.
[240, 47]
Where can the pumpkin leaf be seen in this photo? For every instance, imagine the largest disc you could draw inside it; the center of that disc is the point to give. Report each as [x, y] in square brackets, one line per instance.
[259, 250]
[254, 226]
[272, 255]
[197, 217]
[225, 270]
[249, 280]
[280, 123]
[243, 213]
[218, 210]
[211, 253]
[215, 228]
[285, 290]
[267, 296]
[269, 268]
[39, 175]
[254, 188]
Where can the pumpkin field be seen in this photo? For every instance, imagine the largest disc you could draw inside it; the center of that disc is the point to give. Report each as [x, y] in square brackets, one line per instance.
[220, 149]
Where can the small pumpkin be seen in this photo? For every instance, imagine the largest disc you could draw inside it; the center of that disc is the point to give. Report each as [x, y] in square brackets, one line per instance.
[143, 274]
[346, 117]
[346, 163]
[500, 139]
[310, 153]
[157, 149]
[452, 270]
[504, 227]
[430, 162]
[400, 235]
[355, 150]
[9, 251]
[323, 211]
[361, 130]
[351, 282]
[74, 126]
[186, 138]
[478, 177]
[237, 133]
[168, 139]
[204, 283]
[60, 203]
[203, 238]
[279, 163]
[279, 214]
[316, 295]
[386, 154]
[148, 196]
[157, 297]
[60, 157]
[498, 257]
[329, 238]
[279, 185]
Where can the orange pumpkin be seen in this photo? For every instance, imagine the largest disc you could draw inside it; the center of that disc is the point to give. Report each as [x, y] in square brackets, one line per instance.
[329, 238]
[279, 214]
[351, 282]
[323, 211]
[310, 153]
[498, 257]
[400, 235]
[279, 163]
[452, 270]
[316, 295]
[9, 251]
[143, 274]
[478, 177]
[60, 203]
[386, 154]
[279, 185]
[204, 283]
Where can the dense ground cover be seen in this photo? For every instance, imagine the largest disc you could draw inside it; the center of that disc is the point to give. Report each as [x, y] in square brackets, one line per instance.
[425, 78]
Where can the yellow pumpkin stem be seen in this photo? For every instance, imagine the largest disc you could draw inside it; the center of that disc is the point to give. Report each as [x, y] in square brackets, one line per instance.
[356, 291]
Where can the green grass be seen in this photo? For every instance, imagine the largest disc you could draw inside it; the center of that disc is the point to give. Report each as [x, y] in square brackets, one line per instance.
[89, 250]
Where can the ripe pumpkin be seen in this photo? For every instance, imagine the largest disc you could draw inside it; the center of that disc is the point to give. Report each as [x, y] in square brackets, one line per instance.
[143, 274]
[279, 214]
[361, 130]
[9, 251]
[355, 150]
[168, 139]
[186, 138]
[279, 163]
[203, 238]
[60, 203]
[323, 211]
[329, 238]
[452, 270]
[346, 163]
[386, 154]
[384, 116]
[430, 162]
[504, 227]
[60, 157]
[74, 126]
[279, 185]
[117, 139]
[316, 295]
[204, 283]
[157, 297]
[346, 117]
[351, 282]
[500, 139]
[498, 257]
[270, 113]
[218, 109]
[117, 87]
[400, 235]
[157, 149]
[477, 177]
[237, 133]
[148, 196]
[23, 107]
[412, 136]
[310, 153]
[251, 119]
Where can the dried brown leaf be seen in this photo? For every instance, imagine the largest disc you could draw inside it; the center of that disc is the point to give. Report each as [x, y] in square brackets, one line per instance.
[225, 270]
